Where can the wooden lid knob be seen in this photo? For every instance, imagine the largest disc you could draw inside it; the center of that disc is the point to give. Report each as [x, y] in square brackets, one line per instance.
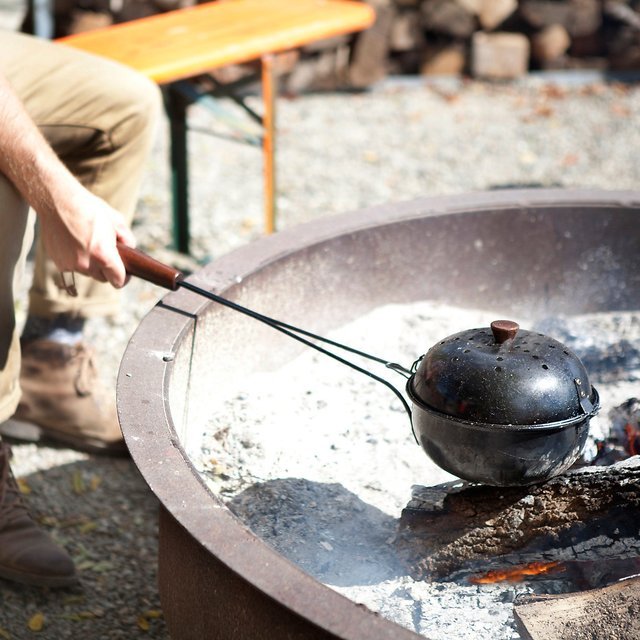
[504, 330]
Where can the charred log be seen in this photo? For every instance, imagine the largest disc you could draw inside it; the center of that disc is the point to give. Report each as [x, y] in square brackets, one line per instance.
[610, 612]
[447, 528]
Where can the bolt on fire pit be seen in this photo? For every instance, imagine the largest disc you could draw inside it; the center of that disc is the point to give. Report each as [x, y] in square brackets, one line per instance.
[530, 253]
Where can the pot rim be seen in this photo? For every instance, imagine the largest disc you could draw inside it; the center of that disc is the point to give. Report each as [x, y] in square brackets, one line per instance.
[489, 426]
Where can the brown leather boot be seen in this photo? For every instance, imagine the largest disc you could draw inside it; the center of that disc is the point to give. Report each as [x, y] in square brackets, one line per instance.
[27, 553]
[63, 400]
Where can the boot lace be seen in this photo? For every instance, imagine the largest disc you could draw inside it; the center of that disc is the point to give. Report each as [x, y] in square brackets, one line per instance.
[11, 505]
[86, 377]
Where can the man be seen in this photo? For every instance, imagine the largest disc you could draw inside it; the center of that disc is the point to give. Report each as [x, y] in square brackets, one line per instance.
[74, 133]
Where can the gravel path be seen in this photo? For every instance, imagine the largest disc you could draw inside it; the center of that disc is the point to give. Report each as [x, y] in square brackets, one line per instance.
[337, 152]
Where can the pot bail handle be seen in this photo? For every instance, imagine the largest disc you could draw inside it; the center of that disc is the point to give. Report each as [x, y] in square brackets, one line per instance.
[504, 330]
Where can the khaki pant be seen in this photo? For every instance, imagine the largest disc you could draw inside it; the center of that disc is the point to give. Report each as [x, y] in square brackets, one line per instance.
[100, 118]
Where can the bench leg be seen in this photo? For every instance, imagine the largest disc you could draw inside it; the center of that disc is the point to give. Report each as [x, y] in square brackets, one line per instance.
[176, 106]
[268, 143]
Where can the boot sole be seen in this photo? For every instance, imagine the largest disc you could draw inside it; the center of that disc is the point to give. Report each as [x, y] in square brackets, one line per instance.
[31, 432]
[35, 580]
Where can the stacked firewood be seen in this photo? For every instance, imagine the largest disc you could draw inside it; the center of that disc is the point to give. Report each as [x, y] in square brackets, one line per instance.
[497, 38]
[491, 39]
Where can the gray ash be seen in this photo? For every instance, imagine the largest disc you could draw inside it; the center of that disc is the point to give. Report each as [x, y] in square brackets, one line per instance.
[319, 461]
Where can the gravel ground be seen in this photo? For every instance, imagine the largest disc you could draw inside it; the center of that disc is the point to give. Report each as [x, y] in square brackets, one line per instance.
[337, 152]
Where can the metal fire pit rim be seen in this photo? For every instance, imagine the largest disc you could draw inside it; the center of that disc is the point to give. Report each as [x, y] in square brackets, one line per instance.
[149, 358]
[225, 270]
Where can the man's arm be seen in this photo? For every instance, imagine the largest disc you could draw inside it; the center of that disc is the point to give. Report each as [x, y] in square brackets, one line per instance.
[79, 230]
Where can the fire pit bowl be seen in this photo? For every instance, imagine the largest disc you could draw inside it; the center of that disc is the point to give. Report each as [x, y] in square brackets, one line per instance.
[527, 253]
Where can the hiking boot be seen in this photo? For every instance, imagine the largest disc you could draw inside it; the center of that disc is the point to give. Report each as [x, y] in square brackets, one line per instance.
[27, 553]
[63, 401]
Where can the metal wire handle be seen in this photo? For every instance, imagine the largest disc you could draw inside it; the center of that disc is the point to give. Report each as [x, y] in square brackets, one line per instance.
[297, 334]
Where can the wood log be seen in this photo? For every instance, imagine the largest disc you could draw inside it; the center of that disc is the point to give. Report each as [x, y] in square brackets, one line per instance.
[325, 71]
[81, 21]
[578, 17]
[472, 6]
[444, 60]
[371, 48]
[610, 612]
[550, 43]
[623, 13]
[447, 528]
[624, 49]
[494, 12]
[502, 56]
[447, 17]
[406, 32]
[333, 43]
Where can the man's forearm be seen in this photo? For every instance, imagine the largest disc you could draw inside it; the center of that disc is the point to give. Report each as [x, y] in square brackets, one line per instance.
[26, 158]
[79, 229]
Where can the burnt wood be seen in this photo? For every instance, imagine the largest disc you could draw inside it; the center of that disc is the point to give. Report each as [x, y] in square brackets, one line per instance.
[451, 527]
[610, 612]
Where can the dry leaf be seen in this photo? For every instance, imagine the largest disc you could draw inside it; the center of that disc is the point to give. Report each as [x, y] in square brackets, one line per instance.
[87, 615]
[371, 157]
[543, 111]
[143, 623]
[36, 622]
[553, 91]
[78, 483]
[23, 486]
[593, 90]
[620, 110]
[247, 224]
[102, 567]
[152, 613]
[5, 634]
[570, 160]
[88, 527]
[95, 482]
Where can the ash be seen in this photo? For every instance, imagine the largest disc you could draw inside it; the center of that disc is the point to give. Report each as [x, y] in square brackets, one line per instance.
[319, 461]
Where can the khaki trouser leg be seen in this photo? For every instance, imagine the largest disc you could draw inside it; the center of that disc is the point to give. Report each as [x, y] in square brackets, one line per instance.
[100, 118]
[16, 236]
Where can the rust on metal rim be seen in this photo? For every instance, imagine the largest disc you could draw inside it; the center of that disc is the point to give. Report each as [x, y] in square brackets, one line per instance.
[146, 417]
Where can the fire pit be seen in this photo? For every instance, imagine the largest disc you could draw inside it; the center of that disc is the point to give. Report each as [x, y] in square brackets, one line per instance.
[529, 253]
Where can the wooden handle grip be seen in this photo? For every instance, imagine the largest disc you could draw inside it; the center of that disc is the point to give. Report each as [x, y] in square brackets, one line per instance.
[141, 265]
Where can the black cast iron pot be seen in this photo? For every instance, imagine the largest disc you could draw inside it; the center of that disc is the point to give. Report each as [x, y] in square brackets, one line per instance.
[502, 406]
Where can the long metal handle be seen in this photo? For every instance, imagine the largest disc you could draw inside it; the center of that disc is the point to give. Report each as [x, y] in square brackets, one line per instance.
[143, 266]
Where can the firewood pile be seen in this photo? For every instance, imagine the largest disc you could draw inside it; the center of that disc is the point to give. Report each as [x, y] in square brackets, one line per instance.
[488, 39]
[498, 39]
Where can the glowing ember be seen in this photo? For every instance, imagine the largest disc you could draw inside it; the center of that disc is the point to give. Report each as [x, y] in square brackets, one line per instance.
[632, 439]
[516, 574]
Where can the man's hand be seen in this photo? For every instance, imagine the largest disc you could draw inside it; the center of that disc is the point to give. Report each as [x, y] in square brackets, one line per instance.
[84, 237]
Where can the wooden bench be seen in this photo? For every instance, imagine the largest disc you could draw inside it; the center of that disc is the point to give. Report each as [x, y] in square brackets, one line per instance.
[176, 48]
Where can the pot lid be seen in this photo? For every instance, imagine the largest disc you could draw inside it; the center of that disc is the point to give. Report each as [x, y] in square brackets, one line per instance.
[503, 375]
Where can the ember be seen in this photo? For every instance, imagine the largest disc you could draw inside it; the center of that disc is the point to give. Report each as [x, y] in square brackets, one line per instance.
[632, 433]
[623, 436]
[517, 574]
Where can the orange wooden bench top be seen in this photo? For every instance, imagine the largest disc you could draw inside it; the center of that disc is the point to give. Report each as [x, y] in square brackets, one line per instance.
[184, 43]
